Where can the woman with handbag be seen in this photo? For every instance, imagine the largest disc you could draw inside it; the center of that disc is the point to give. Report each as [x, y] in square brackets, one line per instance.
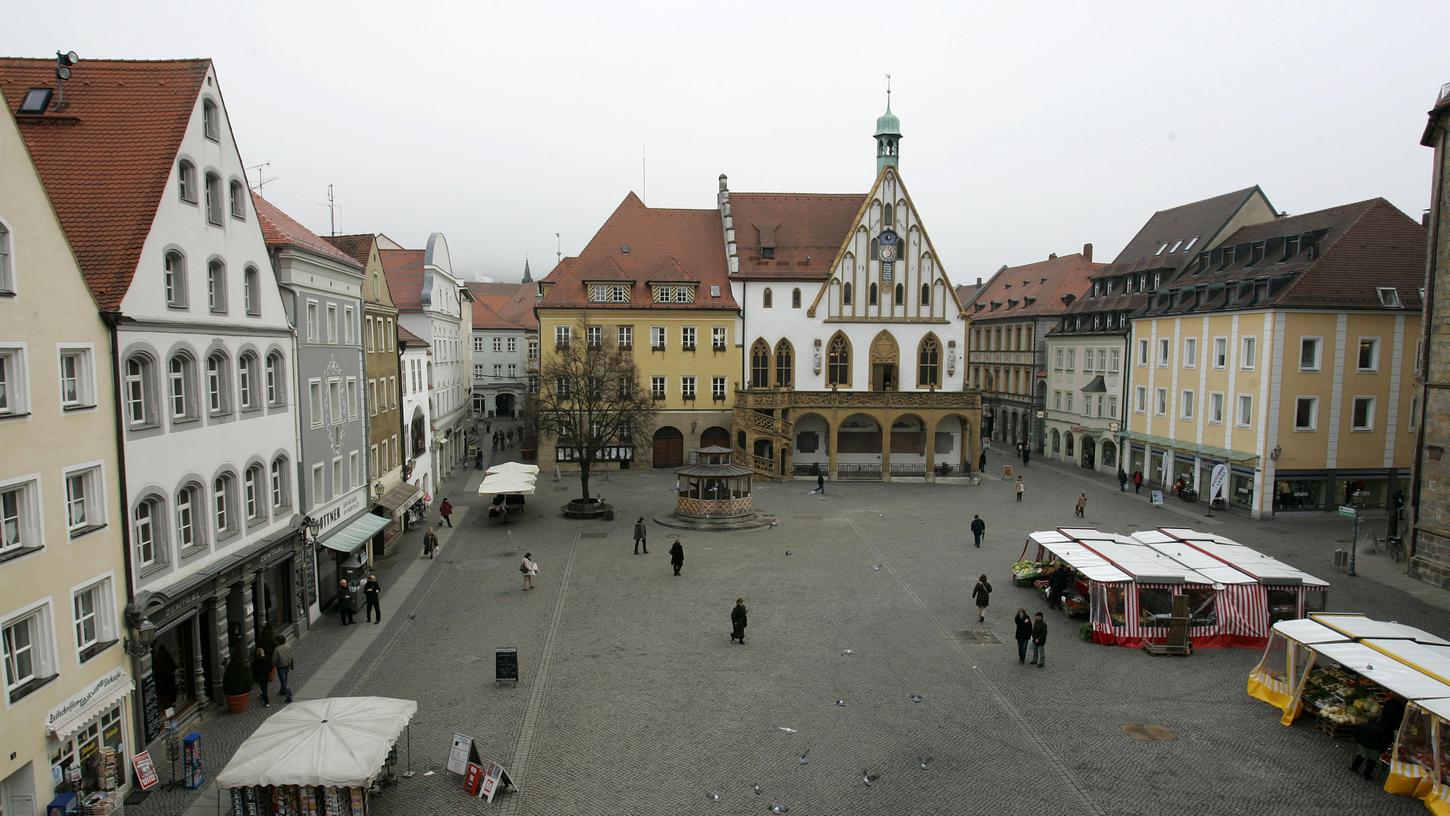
[530, 569]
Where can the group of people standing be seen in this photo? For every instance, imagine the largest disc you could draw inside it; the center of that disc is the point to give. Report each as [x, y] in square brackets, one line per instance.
[1031, 629]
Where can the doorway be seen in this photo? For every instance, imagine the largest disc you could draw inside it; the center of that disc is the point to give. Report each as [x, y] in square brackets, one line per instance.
[669, 448]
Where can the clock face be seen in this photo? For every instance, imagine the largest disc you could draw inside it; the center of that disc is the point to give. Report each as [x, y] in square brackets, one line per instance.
[888, 252]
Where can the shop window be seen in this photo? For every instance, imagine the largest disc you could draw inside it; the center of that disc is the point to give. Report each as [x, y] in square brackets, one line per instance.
[1155, 606]
[1202, 606]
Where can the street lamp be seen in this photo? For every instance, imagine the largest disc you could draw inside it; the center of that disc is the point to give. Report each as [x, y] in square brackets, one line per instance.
[145, 630]
[310, 525]
[1276, 453]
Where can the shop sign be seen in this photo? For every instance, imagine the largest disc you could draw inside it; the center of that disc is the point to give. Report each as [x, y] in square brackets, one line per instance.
[1347, 511]
[114, 682]
[345, 508]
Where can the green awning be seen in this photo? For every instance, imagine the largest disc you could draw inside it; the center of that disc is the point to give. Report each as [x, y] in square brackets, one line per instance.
[1180, 446]
[356, 533]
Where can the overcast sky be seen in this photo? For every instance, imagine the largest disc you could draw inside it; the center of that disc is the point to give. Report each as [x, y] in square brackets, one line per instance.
[1029, 128]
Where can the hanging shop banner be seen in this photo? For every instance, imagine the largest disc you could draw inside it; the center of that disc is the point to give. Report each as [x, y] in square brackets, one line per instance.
[145, 770]
[1218, 482]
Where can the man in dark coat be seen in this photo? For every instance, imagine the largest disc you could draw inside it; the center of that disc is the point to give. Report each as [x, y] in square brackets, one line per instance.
[1026, 454]
[639, 536]
[1023, 634]
[1122, 481]
[1057, 585]
[446, 511]
[346, 605]
[738, 621]
[262, 673]
[372, 593]
[1039, 641]
[979, 529]
[677, 556]
[821, 483]
[982, 462]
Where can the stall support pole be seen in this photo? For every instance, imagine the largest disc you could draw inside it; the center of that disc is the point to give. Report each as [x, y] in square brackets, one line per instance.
[409, 774]
[1354, 542]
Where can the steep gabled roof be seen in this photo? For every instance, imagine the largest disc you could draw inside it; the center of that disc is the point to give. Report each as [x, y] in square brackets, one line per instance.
[106, 158]
[803, 231]
[1036, 289]
[403, 270]
[280, 230]
[639, 244]
[1174, 236]
[357, 246]
[504, 306]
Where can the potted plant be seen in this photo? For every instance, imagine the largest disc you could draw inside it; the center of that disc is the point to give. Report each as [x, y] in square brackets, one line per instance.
[267, 640]
[237, 684]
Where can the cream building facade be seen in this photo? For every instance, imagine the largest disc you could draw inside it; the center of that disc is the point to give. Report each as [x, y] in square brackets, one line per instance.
[63, 571]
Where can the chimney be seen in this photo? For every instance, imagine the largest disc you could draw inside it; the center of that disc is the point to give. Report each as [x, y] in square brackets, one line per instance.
[1425, 219]
[1087, 252]
[979, 282]
[1052, 256]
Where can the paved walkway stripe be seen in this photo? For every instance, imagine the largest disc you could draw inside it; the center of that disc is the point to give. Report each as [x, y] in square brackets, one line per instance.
[528, 729]
[1086, 804]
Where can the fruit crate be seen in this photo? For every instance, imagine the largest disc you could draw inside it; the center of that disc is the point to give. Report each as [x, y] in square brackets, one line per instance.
[1334, 730]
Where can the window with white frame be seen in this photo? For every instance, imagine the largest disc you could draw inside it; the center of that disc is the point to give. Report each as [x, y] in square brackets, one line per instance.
[332, 323]
[180, 373]
[1306, 413]
[657, 387]
[1309, 353]
[513, 370]
[1190, 352]
[252, 493]
[1163, 350]
[214, 198]
[173, 279]
[1215, 408]
[1057, 360]
[186, 181]
[251, 291]
[687, 387]
[1248, 353]
[247, 381]
[94, 615]
[13, 392]
[1113, 407]
[317, 496]
[278, 482]
[1114, 361]
[209, 124]
[372, 397]
[1160, 401]
[1362, 416]
[336, 411]
[717, 388]
[77, 378]
[19, 516]
[687, 338]
[223, 499]
[275, 388]
[1056, 399]
[1142, 352]
[354, 469]
[497, 344]
[189, 503]
[337, 484]
[218, 388]
[7, 269]
[1369, 354]
[657, 337]
[314, 402]
[1102, 360]
[498, 371]
[1185, 405]
[1068, 394]
[1220, 352]
[216, 286]
[352, 399]
[533, 348]
[1087, 361]
[238, 200]
[139, 383]
[147, 531]
[562, 336]
[1245, 416]
[85, 495]
[28, 654]
[312, 321]
[593, 336]
[717, 338]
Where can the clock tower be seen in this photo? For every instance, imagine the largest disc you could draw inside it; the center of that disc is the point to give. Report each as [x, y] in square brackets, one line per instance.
[888, 137]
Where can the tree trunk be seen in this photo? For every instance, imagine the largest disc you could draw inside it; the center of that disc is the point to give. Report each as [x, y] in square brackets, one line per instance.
[584, 479]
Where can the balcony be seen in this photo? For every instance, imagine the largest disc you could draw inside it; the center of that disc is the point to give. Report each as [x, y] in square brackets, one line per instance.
[762, 423]
[777, 398]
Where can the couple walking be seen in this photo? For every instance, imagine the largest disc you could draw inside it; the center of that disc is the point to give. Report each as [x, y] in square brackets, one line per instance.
[1035, 630]
[282, 660]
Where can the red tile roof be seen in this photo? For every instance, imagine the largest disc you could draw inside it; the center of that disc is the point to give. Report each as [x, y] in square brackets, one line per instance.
[280, 230]
[1035, 289]
[106, 158]
[403, 270]
[643, 244]
[408, 338]
[805, 230]
[504, 306]
[358, 246]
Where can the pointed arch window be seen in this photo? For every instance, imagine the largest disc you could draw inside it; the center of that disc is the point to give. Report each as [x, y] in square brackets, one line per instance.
[760, 364]
[795, 298]
[928, 363]
[889, 218]
[875, 250]
[900, 294]
[846, 294]
[871, 295]
[766, 298]
[784, 364]
[838, 361]
[926, 294]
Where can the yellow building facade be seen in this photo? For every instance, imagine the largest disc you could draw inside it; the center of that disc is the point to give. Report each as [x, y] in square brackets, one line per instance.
[63, 579]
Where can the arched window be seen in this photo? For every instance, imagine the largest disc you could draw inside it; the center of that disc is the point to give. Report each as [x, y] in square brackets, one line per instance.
[252, 498]
[900, 294]
[239, 204]
[7, 276]
[216, 285]
[784, 364]
[846, 294]
[209, 120]
[838, 361]
[148, 532]
[278, 483]
[188, 504]
[218, 386]
[766, 299]
[928, 363]
[871, 295]
[889, 218]
[181, 373]
[186, 181]
[247, 381]
[276, 385]
[174, 279]
[214, 198]
[875, 250]
[252, 290]
[926, 294]
[223, 504]
[759, 364]
[140, 391]
[795, 298]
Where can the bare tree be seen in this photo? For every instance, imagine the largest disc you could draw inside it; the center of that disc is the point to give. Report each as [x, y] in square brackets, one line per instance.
[590, 398]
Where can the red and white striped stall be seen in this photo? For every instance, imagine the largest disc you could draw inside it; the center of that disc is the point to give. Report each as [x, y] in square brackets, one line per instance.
[1235, 594]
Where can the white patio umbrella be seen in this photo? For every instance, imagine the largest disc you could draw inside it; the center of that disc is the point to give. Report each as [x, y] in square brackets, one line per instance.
[513, 467]
[341, 741]
[507, 483]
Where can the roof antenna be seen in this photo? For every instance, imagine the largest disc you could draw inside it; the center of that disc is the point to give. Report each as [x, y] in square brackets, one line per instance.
[558, 249]
[63, 62]
[331, 211]
[643, 177]
[261, 182]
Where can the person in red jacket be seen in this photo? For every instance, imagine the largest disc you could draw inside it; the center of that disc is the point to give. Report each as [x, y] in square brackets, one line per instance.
[446, 511]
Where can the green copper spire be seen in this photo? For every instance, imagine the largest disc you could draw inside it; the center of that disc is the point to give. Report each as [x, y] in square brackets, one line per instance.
[888, 134]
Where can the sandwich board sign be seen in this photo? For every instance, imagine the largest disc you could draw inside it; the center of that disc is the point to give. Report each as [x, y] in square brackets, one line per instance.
[494, 776]
[462, 753]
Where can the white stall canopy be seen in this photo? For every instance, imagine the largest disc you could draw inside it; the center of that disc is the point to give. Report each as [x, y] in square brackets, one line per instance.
[339, 741]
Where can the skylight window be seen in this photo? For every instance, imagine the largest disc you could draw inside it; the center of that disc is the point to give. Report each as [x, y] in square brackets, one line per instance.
[1161, 247]
[1191, 242]
[1176, 245]
[35, 102]
[1389, 296]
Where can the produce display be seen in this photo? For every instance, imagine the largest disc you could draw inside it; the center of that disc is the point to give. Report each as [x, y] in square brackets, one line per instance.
[1341, 697]
[1025, 572]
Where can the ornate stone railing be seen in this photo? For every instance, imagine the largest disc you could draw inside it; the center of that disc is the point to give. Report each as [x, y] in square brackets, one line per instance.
[764, 465]
[786, 398]
[908, 468]
[762, 423]
[713, 508]
[858, 470]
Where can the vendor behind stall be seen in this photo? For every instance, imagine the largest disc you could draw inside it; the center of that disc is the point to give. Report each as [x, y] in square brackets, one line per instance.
[1376, 735]
[1057, 584]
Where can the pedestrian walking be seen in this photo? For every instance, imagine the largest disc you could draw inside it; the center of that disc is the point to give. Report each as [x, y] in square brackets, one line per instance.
[677, 556]
[1081, 509]
[821, 483]
[346, 604]
[1039, 641]
[478, 458]
[738, 621]
[979, 528]
[982, 462]
[1137, 481]
[430, 542]
[1021, 488]
[261, 673]
[1024, 633]
[372, 592]
[530, 569]
[639, 539]
[446, 511]
[284, 660]
[1026, 453]
[980, 594]
[1122, 481]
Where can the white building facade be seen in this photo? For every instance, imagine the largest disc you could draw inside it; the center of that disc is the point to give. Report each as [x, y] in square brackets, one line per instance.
[416, 360]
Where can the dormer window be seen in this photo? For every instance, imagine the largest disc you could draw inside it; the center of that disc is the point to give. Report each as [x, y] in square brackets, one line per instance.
[1291, 248]
[1228, 258]
[608, 293]
[1389, 297]
[1256, 253]
[209, 123]
[767, 253]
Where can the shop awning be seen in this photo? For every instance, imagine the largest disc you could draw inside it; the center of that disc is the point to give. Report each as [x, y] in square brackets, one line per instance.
[1406, 681]
[78, 711]
[1095, 386]
[1162, 443]
[400, 496]
[356, 533]
[341, 741]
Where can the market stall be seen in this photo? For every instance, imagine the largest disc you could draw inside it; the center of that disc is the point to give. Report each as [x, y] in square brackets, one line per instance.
[508, 484]
[317, 757]
[1130, 583]
[1420, 758]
